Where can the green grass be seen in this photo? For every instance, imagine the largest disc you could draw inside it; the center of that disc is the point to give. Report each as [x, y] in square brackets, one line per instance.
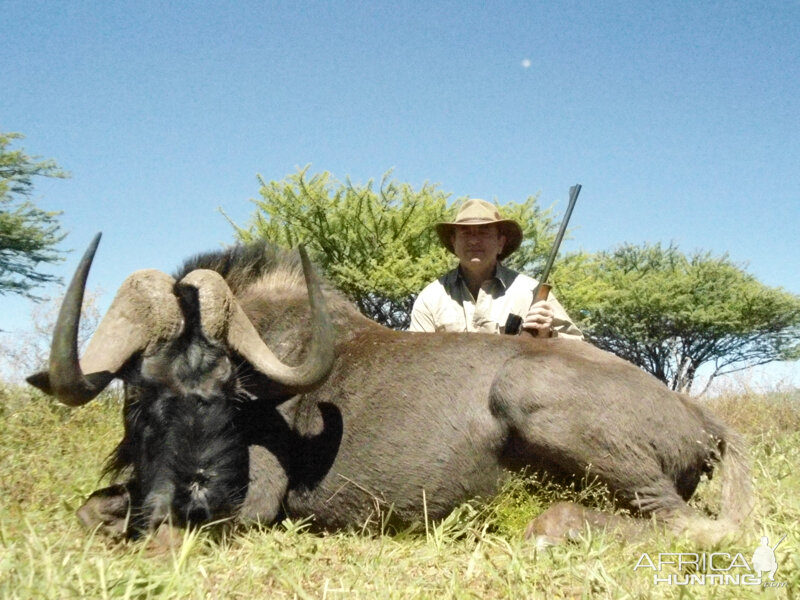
[51, 458]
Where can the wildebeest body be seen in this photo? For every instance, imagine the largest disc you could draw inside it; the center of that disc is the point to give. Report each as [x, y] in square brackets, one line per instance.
[369, 433]
[402, 422]
[472, 414]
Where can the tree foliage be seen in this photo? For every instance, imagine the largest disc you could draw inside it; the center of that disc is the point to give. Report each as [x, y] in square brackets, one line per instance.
[376, 243]
[670, 313]
[28, 234]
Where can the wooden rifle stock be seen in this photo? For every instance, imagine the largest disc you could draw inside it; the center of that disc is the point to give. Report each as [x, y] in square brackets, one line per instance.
[541, 292]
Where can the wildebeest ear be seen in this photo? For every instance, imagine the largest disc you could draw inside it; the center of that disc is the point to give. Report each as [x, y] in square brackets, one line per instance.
[41, 380]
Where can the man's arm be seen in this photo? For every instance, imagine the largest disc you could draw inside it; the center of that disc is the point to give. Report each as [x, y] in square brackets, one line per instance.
[421, 317]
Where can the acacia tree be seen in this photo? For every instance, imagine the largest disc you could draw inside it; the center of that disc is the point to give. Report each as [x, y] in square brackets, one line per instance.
[376, 243]
[28, 234]
[670, 313]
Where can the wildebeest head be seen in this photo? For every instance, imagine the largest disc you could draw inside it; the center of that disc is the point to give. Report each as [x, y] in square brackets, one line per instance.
[181, 438]
[173, 344]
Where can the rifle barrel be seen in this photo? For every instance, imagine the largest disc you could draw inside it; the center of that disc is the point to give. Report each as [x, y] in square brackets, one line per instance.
[573, 197]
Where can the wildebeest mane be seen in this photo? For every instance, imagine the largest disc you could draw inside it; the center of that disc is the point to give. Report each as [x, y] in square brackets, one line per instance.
[265, 271]
[243, 264]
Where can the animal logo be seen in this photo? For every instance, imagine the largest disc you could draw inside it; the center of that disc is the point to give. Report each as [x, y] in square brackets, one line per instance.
[764, 557]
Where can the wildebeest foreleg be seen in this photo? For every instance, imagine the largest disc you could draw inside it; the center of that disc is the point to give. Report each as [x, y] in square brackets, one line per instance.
[267, 487]
[107, 509]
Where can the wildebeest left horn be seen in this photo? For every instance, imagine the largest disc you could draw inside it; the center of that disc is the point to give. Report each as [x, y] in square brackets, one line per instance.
[223, 318]
[144, 311]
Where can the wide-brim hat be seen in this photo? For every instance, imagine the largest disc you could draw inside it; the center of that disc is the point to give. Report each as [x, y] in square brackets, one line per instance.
[480, 212]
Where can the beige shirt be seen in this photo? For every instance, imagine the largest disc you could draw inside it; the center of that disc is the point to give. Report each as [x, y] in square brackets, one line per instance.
[448, 305]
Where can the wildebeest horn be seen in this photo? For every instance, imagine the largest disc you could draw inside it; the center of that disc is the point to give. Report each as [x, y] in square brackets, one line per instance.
[143, 311]
[223, 318]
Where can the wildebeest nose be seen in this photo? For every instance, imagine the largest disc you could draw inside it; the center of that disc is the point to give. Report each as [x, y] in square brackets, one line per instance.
[197, 509]
[198, 513]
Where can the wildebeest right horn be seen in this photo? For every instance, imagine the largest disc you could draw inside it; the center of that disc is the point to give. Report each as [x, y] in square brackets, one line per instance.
[223, 318]
[144, 311]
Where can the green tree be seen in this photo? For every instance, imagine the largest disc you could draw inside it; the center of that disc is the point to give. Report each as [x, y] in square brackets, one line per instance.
[670, 313]
[28, 234]
[376, 243]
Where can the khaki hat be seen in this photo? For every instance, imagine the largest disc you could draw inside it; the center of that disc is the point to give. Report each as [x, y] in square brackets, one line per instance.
[481, 212]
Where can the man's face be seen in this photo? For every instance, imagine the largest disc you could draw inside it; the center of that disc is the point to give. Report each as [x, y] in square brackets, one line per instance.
[477, 246]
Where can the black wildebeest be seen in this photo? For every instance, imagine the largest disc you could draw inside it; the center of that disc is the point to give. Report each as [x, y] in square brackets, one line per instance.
[255, 391]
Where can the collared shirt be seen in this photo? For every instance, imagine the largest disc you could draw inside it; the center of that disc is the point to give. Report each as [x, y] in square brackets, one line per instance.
[448, 305]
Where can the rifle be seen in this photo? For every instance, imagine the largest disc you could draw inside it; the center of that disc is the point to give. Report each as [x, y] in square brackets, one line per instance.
[514, 322]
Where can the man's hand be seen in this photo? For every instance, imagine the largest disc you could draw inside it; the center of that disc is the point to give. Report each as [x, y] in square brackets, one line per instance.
[539, 320]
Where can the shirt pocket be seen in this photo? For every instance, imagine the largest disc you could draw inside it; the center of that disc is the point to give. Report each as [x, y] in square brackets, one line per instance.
[451, 319]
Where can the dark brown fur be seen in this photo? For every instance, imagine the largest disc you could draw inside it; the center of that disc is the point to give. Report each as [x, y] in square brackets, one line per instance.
[411, 422]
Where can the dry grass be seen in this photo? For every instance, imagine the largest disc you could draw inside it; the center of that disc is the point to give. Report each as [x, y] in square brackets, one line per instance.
[50, 460]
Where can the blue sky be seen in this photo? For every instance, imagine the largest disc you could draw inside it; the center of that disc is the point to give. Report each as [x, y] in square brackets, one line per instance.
[680, 119]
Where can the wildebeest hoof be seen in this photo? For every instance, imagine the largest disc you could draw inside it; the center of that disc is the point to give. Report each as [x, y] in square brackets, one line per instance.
[563, 522]
[166, 538]
[567, 522]
[107, 509]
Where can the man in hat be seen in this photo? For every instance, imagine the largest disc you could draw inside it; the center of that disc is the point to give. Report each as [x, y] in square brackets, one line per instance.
[481, 292]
